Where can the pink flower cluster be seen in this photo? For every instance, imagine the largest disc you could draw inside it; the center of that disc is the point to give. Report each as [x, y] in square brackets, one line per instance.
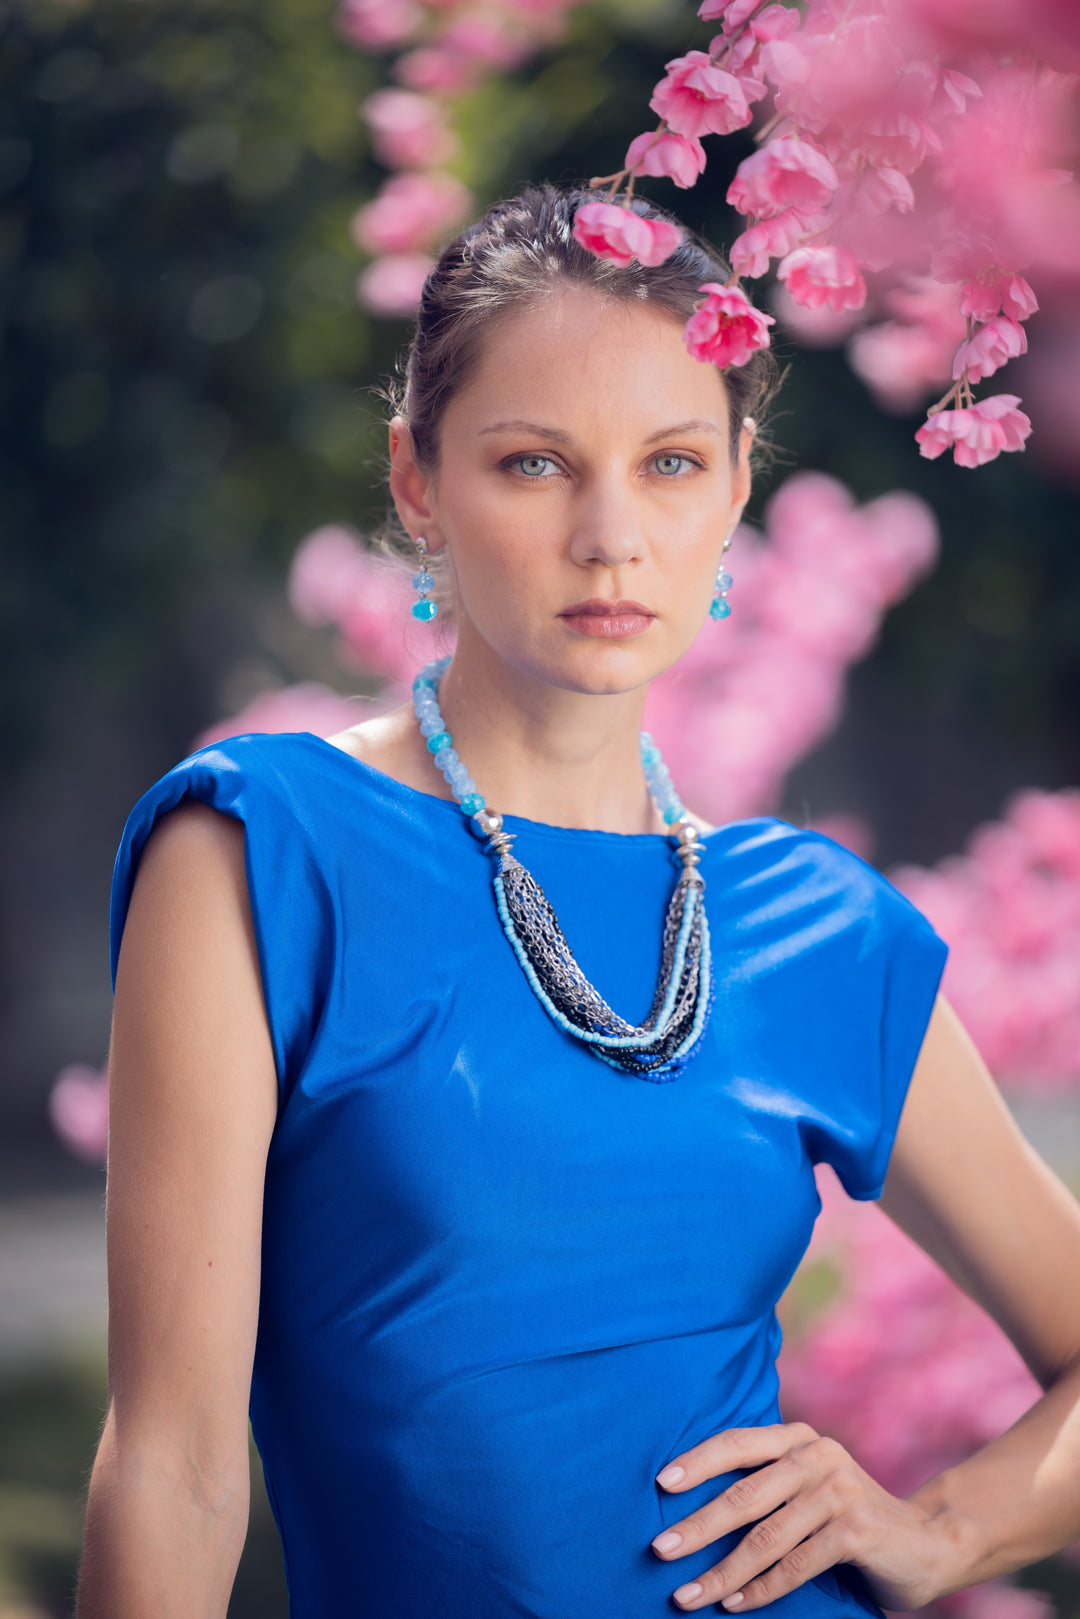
[901, 1366]
[1009, 909]
[883, 155]
[79, 1110]
[444, 51]
[740, 708]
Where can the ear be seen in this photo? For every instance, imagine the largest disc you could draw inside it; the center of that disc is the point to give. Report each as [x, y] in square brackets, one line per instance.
[410, 487]
[740, 484]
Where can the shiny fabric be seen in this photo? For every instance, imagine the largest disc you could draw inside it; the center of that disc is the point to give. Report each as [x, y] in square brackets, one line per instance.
[503, 1283]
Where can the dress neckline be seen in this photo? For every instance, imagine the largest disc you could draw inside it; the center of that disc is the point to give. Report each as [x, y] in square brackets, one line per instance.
[542, 828]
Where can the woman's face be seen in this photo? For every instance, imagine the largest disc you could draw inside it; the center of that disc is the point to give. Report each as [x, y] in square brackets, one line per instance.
[583, 492]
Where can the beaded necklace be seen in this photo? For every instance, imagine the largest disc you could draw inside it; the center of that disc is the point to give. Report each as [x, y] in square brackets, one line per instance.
[661, 1046]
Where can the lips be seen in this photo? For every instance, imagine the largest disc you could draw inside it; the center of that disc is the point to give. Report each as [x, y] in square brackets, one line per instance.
[600, 607]
[607, 620]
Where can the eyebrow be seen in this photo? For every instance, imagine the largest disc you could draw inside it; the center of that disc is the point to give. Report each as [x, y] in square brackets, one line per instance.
[556, 434]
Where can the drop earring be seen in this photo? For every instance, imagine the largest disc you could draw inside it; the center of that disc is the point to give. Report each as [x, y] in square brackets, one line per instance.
[422, 582]
[720, 607]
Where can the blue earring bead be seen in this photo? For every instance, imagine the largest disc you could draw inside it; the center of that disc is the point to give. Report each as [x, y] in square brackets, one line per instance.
[424, 609]
[720, 607]
[657, 1049]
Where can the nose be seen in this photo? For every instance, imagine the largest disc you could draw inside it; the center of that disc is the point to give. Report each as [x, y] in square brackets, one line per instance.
[607, 523]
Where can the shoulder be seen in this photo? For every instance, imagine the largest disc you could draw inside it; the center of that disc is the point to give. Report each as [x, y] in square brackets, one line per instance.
[783, 869]
[268, 771]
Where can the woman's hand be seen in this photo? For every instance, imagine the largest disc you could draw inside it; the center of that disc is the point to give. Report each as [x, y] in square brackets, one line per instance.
[812, 1506]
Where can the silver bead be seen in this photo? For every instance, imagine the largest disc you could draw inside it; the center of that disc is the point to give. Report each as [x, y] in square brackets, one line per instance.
[686, 832]
[490, 821]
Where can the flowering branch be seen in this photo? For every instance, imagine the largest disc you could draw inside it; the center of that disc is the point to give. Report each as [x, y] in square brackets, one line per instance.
[862, 102]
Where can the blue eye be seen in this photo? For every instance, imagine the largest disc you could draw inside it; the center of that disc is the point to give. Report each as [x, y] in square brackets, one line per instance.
[530, 462]
[684, 458]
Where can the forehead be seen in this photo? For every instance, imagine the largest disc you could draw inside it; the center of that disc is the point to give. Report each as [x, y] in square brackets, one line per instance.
[593, 364]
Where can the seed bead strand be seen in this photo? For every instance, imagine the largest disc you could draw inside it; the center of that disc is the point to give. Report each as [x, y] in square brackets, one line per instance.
[439, 744]
[456, 774]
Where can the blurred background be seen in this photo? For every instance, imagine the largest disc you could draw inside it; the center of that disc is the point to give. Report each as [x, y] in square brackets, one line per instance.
[187, 394]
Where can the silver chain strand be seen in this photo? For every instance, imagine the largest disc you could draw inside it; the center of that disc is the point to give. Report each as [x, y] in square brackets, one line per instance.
[537, 928]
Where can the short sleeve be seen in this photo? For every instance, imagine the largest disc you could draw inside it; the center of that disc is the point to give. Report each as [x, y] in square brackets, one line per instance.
[249, 778]
[863, 986]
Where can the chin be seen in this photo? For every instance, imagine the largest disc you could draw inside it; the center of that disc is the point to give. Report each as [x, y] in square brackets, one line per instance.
[607, 668]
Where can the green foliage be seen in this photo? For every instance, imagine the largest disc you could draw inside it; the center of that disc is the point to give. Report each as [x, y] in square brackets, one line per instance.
[183, 356]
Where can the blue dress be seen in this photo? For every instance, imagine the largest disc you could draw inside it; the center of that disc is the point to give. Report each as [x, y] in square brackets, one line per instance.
[502, 1282]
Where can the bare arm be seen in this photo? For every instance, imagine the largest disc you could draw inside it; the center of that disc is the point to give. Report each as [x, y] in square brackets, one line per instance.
[193, 1098]
[966, 1185]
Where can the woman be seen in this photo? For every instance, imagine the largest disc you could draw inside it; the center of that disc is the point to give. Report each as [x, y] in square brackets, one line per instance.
[505, 1312]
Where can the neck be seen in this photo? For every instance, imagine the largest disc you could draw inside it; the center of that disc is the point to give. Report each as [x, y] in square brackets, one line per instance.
[565, 757]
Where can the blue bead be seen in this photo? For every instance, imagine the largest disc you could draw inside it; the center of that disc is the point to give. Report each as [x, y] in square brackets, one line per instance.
[431, 726]
[673, 812]
[423, 581]
[720, 608]
[724, 581]
[471, 803]
[442, 740]
[425, 610]
[424, 683]
[650, 755]
[445, 758]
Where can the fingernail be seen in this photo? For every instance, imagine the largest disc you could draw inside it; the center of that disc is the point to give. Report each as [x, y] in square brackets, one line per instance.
[733, 1600]
[672, 1474]
[668, 1540]
[687, 1593]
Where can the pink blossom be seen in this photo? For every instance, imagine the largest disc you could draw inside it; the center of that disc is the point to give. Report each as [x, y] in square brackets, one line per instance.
[993, 290]
[739, 708]
[484, 36]
[335, 580]
[734, 12]
[976, 434]
[79, 1110]
[898, 1363]
[998, 1599]
[853, 831]
[996, 342]
[681, 158]
[620, 234]
[739, 55]
[902, 361]
[815, 328]
[882, 188]
[774, 22]
[1009, 907]
[726, 329]
[408, 130]
[696, 98]
[434, 68]
[900, 364]
[409, 213]
[391, 286]
[378, 24]
[783, 173]
[823, 275]
[783, 63]
[752, 250]
[1049, 30]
